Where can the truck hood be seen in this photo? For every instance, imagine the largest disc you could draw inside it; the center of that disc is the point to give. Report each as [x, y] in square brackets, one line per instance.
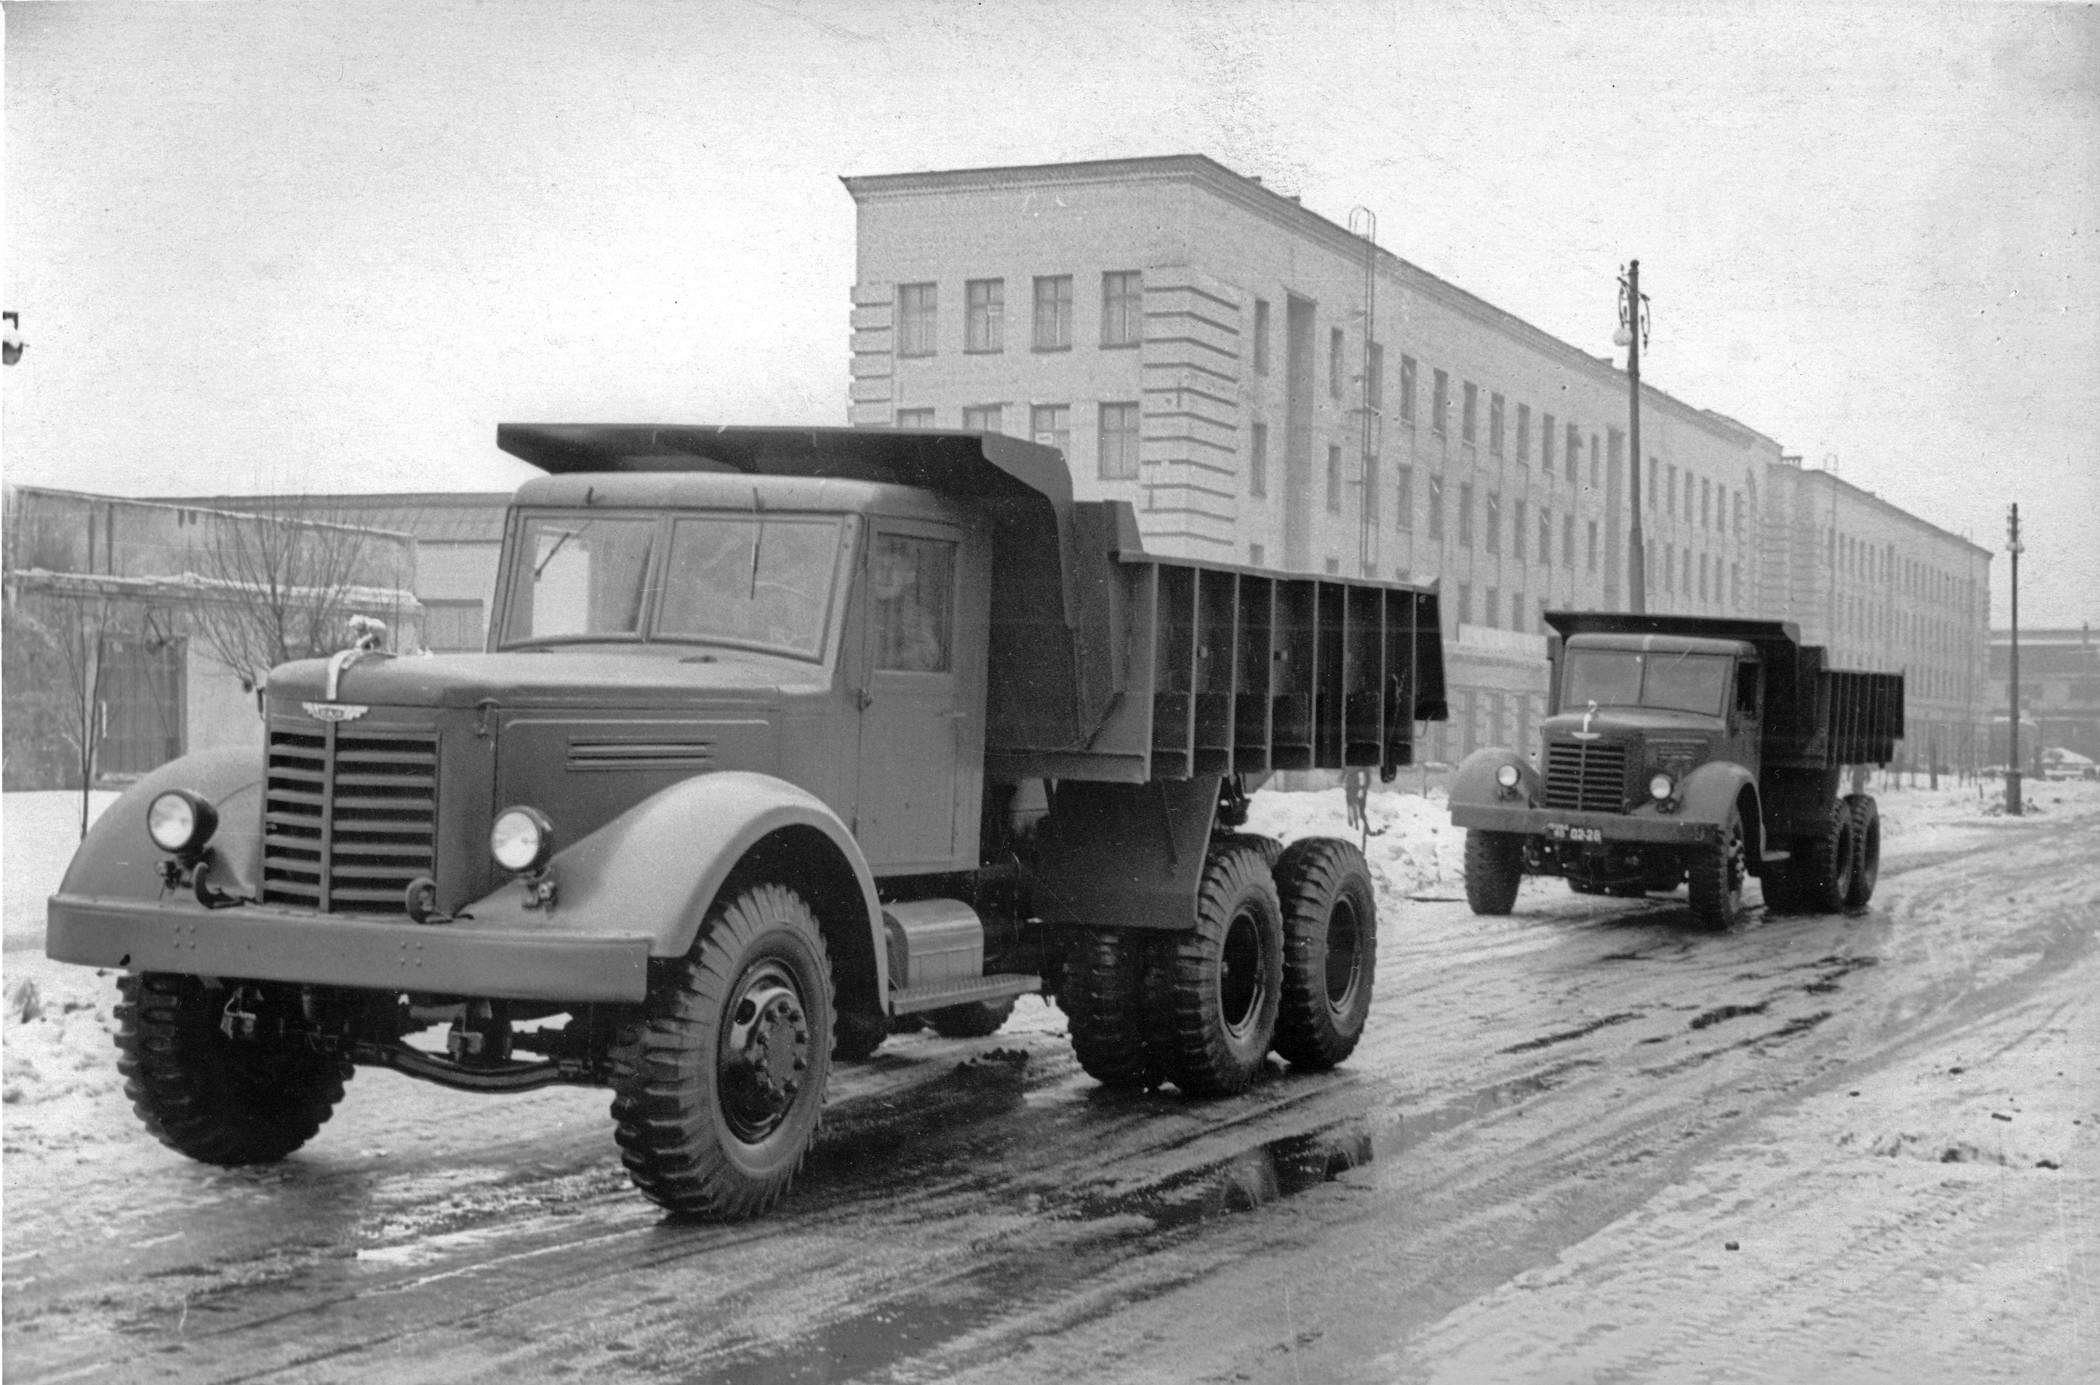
[598, 677]
[1632, 723]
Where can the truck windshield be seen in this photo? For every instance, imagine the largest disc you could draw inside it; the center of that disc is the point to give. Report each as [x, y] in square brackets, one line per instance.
[1681, 682]
[758, 583]
[583, 576]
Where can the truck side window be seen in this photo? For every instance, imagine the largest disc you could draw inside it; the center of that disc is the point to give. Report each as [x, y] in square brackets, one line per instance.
[914, 588]
[1746, 680]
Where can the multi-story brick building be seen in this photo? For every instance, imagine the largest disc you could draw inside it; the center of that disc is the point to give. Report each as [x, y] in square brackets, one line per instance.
[1884, 589]
[1267, 387]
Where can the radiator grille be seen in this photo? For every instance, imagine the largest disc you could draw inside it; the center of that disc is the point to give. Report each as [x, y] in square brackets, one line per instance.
[1586, 777]
[349, 817]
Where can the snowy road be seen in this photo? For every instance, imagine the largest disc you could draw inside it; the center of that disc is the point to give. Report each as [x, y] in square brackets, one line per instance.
[1584, 1142]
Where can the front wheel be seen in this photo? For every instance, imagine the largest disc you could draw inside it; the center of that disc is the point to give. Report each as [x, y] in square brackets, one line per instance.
[1330, 951]
[1715, 876]
[718, 1088]
[1494, 869]
[217, 1098]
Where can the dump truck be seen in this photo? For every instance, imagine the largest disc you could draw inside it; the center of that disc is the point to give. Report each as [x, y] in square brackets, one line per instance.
[1682, 749]
[780, 735]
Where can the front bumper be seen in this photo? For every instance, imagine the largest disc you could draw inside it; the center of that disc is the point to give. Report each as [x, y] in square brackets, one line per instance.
[1572, 828]
[256, 943]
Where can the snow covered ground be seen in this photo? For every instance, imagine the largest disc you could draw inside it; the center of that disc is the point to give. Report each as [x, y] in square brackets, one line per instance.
[57, 1059]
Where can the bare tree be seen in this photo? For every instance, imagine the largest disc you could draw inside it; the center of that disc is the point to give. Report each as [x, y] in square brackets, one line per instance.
[283, 588]
[58, 644]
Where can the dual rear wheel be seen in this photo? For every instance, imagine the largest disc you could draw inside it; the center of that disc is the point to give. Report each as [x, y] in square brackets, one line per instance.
[1281, 958]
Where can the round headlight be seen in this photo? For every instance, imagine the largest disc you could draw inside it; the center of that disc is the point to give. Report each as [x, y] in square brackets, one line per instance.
[1661, 787]
[1507, 776]
[180, 821]
[521, 840]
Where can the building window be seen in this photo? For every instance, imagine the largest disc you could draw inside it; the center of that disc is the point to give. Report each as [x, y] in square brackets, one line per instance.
[1495, 425]
[1567, 540]
[1122, 308]
[914, 418]
[1706, 500]
[1257, 556]
[916, 309]
[1369, 500]
[1469, 417]
[1545, 537]
[1334, 566]
[1440, 404]
[1465, 514]
[1119, 442]
[984, 315]
[1574, 455]
[1334, 362]
[1738, 514]
[1687, 570]
[452, 627]
[1051, 425]
[1407, 389]
[1593, 546]
[1516, 611]
[1334, 479]
[1702, 577]
[1654, 483]
[1494, 523]
[985, 418]
[1261, 336]
[1436, 507]
[1671, 508]
[1258, 461]
[1374, 376]
[1524, 434]
[1517, 536]
[1616, 442]
[1404, 492]
[1053, 312]
[1490, 607]
[1465, 603]
[1546, 445]
[1596, 458]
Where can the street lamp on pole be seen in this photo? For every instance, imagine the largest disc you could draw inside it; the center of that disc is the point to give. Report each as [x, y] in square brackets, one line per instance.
[1633, 334]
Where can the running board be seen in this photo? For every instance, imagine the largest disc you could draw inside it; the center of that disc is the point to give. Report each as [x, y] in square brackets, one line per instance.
[942, 994]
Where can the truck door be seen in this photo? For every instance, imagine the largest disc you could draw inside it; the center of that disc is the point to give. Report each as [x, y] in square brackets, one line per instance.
[920, 741]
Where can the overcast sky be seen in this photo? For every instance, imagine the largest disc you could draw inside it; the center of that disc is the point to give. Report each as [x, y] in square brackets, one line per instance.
[329, 246]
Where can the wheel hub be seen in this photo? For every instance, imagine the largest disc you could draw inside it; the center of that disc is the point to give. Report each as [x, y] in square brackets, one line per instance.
[765, 1051]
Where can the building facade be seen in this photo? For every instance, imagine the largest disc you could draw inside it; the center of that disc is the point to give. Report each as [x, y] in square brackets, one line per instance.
[1268, 388]
[2059, 692]
[1883, 589]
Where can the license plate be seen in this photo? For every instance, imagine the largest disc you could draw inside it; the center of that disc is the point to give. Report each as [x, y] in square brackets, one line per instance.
[1563, 832]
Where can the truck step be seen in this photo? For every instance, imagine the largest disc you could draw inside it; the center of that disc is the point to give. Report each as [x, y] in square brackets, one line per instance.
[942, 994]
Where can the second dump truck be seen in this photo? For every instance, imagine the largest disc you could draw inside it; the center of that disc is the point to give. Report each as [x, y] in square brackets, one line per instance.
[1689, 750]
[781, 734]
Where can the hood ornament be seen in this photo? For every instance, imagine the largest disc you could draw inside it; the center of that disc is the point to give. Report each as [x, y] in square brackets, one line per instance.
[1585, 734]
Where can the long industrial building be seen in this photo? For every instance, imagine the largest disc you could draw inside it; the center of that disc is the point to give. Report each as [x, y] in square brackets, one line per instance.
[1269, 387]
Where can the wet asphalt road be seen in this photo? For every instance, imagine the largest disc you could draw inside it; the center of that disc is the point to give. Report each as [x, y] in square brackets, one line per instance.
[981, 1209]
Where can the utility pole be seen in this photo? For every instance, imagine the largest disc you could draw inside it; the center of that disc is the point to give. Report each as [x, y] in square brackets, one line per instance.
[2012, 740]
[1633, 330]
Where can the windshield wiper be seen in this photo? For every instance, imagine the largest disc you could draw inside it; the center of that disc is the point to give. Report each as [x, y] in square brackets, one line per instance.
[559, 544]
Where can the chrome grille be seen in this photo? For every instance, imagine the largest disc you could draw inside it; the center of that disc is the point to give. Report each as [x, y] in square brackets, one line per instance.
[1587, 777]
[349, 816]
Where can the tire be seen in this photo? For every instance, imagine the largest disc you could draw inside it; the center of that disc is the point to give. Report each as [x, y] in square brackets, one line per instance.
[977, 1020]
[1223, 980]
[856, 1034]
[1823, 876]
[1494, 869]
[1866, 849]
[216, 1099]
[1330, 951]
[1271, 850]
[1715, 877]
[719, 1087]
[1103, 996]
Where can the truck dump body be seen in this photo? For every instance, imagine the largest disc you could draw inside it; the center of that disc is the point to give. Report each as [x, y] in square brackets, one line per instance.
[1107, 663]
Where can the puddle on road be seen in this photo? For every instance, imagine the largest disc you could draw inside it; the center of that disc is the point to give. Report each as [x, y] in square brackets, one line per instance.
[1129, 1218]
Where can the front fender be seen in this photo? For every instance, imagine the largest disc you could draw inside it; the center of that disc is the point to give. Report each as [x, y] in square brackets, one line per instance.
[1474, 781]
[118, 861]
[657, 868]
[1709, 791]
